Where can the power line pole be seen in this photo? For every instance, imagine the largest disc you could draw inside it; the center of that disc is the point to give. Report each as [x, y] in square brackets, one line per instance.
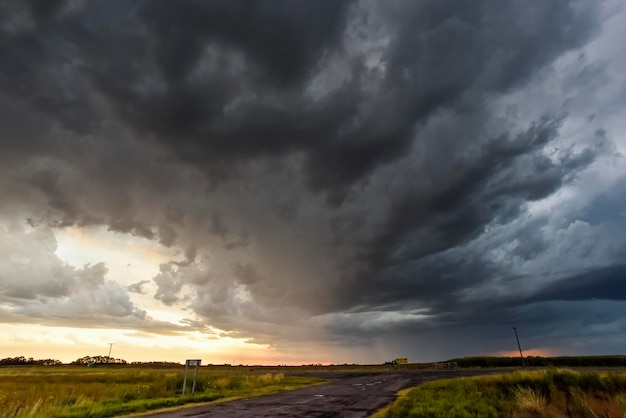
[110, 347]
[518, 345]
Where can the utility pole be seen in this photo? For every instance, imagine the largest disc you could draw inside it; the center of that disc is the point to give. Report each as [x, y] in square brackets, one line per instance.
[110, 347]
[518, 345]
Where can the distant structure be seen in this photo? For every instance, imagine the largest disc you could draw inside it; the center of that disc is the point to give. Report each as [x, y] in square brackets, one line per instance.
[398, 361]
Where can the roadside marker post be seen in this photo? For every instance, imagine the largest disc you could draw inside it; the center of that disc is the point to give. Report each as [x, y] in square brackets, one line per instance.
[195, 375]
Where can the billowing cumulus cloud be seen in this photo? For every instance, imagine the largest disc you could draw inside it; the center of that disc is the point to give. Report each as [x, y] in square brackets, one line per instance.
[331, 171]
[36, 283]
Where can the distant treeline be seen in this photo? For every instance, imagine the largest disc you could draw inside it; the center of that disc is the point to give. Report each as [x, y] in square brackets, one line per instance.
[96, 360]
[92, 360]
[83, 361]
[23, 361]
[535, 361]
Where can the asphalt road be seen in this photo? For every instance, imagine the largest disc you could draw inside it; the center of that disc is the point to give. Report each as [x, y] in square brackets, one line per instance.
[347, 395]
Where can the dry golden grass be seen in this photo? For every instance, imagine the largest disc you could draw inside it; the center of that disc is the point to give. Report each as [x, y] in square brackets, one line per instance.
[46, 392]
[529, 399]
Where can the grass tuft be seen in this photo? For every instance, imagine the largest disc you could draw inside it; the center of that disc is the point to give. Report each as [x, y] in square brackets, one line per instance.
[548, 393]
[529, 400]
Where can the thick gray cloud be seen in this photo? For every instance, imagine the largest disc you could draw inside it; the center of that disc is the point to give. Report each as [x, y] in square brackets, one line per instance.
[332, 170]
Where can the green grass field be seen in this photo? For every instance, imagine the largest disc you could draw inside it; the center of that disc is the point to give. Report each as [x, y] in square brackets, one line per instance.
[548, 393]
[70, 391]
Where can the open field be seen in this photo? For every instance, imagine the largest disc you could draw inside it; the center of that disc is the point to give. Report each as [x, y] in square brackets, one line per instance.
[113, 390]
[549, 393]
[69, 391]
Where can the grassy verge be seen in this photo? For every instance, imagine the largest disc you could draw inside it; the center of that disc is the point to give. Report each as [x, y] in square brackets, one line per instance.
[69, 392]
[549, 393]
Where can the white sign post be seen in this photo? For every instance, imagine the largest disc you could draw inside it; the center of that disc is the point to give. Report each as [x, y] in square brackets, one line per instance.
[195, 375]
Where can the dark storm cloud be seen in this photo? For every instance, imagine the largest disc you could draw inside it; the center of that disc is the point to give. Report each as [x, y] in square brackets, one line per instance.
[346, 160]
[603, 284]
[284, 40]
[504, 174]
[227, 114]
[43, 10]
[253, 63]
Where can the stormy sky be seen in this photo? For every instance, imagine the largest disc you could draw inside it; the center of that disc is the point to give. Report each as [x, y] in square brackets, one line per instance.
[339, 181]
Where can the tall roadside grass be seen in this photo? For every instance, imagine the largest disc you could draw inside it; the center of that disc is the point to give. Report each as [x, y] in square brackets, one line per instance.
[549, 393]
[64, 392]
